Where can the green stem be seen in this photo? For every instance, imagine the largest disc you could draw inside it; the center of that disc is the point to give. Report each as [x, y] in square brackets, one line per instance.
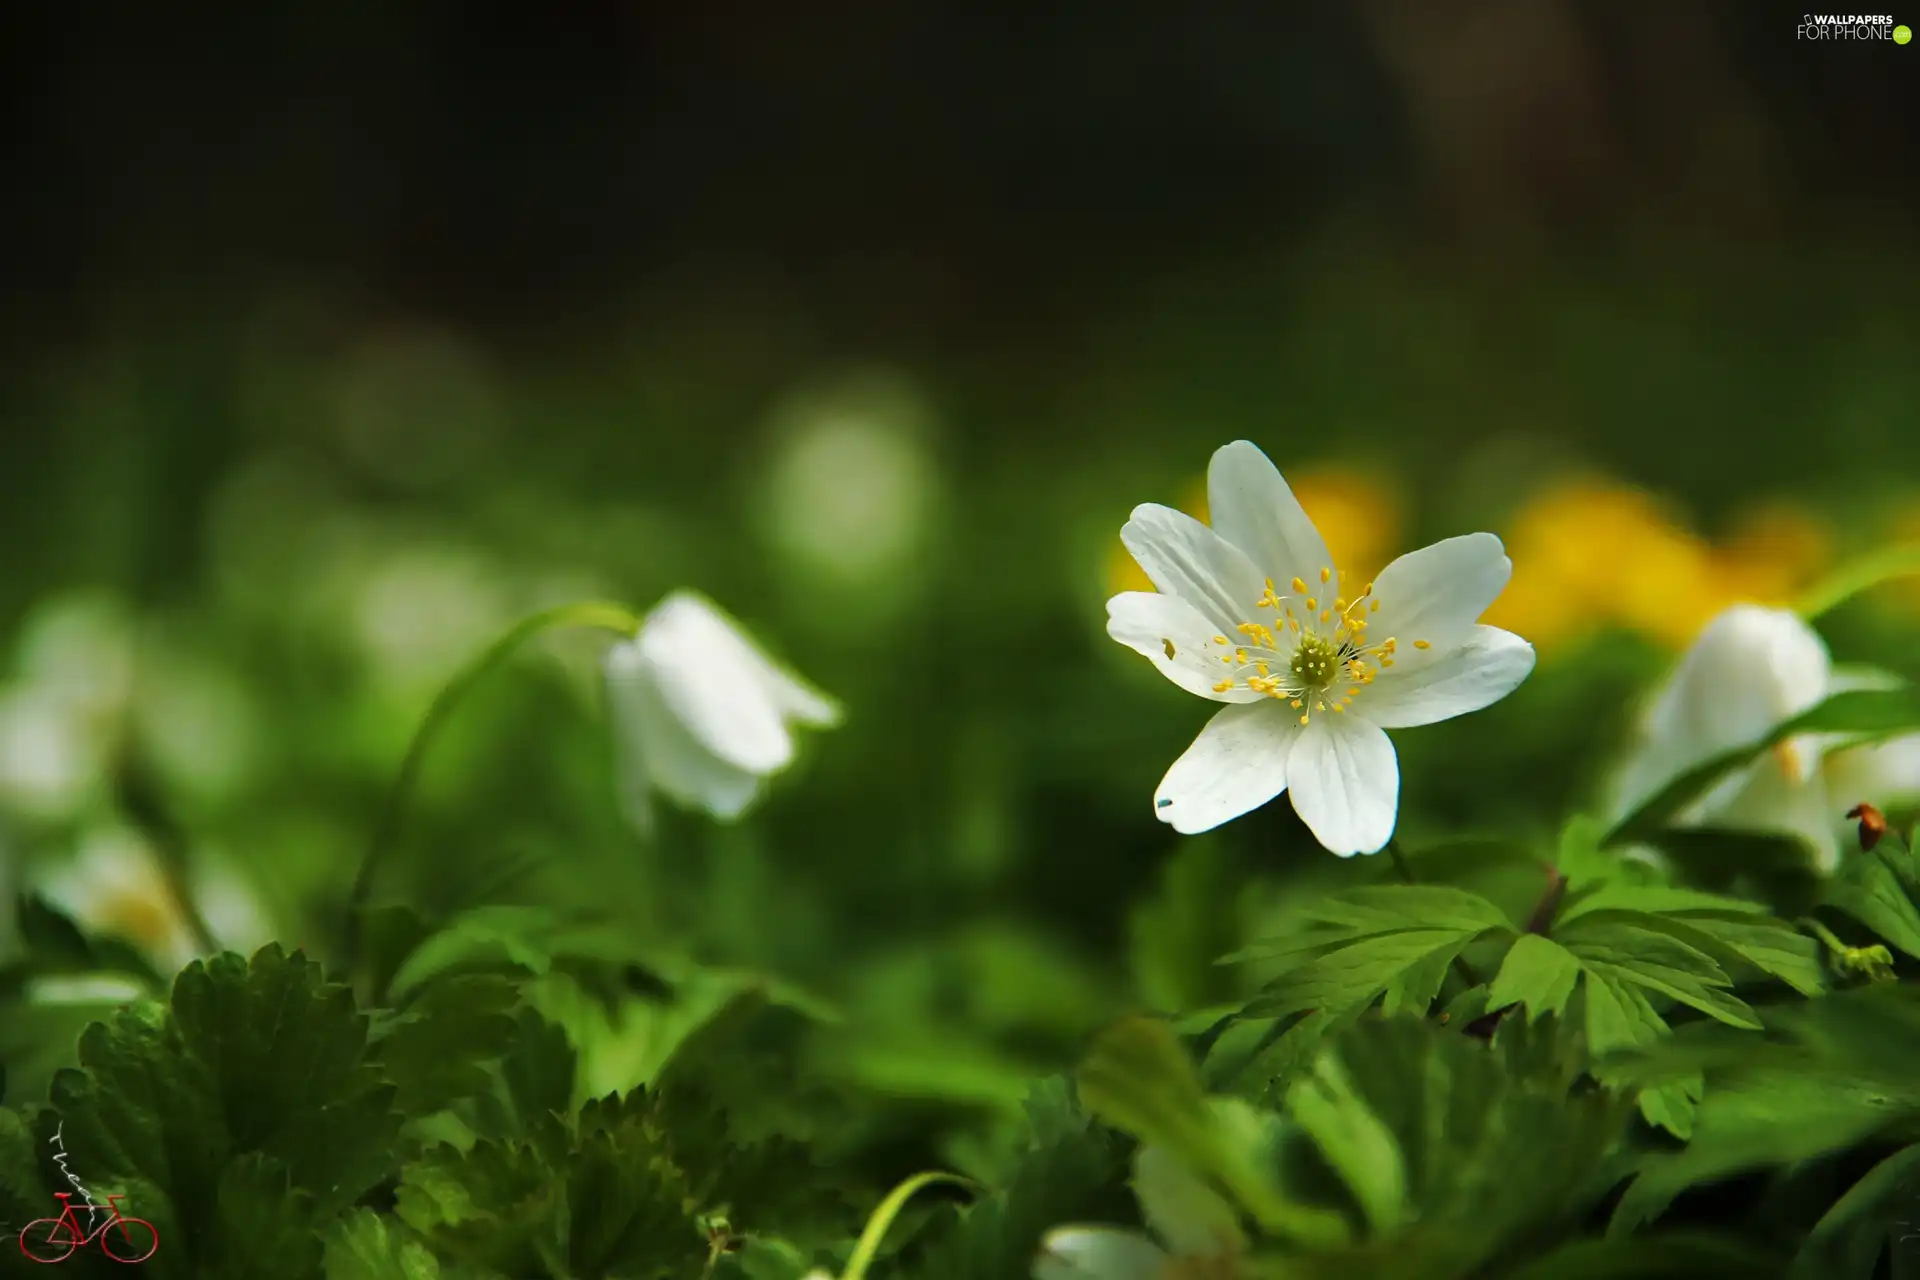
[1864, 573]
[1400, 863]
[590, 613]
[882, 1219]
[1820, 931]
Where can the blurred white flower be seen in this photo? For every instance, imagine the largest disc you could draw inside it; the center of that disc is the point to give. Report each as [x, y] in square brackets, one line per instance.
[59, 721]
[52, 755]
[1314, 667]
[196, 722]
[852, 482]
[114, 887]
[1750, 669]
[700, 714]
[422, 612]
[93, 988]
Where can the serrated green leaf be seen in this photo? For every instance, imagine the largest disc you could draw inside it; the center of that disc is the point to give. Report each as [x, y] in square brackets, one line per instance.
[1770, 946]
[1353, 1141]
[1489, 1157]
[262, 1224]
[366, 1246]
[1538, 974]
[1618, 1017]
[497, 1205]
[1620, 945]
[1652, 899]
[436, 1051]
[1771, 1116]
[1354, 974]
[1139, 1079]
[1868, 888]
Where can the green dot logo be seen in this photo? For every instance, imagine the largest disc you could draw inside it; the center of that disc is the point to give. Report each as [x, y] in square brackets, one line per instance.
[1902, 34]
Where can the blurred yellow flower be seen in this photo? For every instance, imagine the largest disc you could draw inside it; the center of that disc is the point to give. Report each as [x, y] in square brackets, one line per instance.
[1590, 553]
[1357, 513]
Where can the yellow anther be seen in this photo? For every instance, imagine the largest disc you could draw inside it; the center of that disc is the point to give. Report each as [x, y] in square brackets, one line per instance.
[1368, 591]
[1295, 702]
[1303, 718]
[1339, 707]
[1325, 574]
[1421, 644]
[1341, 604]
[1240, 656]
[1168, 646]
[1261, 667]
[1312, 604]
[1374, 607]
[1386, 662]
[1299, 587]
[1220, 640]
[1223, 686]
[1326, 615]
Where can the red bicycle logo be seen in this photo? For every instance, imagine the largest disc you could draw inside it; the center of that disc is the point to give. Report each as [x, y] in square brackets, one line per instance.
[55, 1239]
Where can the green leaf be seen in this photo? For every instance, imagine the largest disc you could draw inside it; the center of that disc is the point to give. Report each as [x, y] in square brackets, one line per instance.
[1668, 1256]
[1869, 889]
[1353, 1142]
[1866, 715]
[1538, 974]
[1770, 1116]
[1174, 937]
[498, 1206]
[366, 1246]
[262, 1225]
[250, 1097]
[1620, 946]
[435, 1051]
[1847, 1242]
[1138, 1078]
[1069, 1170]
[1487, 1156]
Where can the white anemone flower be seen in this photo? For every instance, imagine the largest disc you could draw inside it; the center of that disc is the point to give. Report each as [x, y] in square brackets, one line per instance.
[700, 713]
[1750, 669]
[115, 887]
[1313, 667]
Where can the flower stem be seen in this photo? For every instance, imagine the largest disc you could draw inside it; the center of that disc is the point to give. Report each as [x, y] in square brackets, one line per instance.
[1400, 864]
[889, 1209]
[590, 613]
[1867, 572]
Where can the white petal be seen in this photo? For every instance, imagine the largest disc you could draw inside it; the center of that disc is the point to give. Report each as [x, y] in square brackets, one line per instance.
[707, 677]
[657, 750]
[1099, 1253]
[1772, 797]
[1252, 507]
[1183, 557]
[1438, 593]
[1885, 774]
[1150, 623]
[1749, 669]
[1237, 764]
[1346, 783]
[1488, 667]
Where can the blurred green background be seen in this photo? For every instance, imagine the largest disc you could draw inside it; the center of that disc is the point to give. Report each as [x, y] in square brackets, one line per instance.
[342, 336]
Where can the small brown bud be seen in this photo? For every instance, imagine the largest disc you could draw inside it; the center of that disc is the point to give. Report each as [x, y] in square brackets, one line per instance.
[1873, 824]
